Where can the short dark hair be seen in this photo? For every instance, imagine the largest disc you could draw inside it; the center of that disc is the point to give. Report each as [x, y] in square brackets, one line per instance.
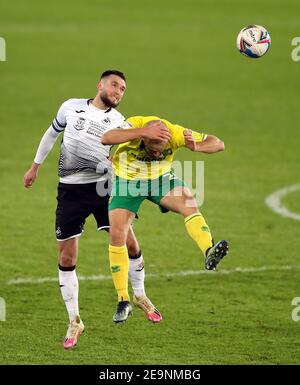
[113, 72]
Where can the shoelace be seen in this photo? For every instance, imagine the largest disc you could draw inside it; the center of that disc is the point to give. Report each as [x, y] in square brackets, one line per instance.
[148, 304]
[121, 306]
[73, 328]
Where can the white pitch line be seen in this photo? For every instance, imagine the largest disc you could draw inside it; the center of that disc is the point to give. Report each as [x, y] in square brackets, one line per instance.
[274, 202]
[20, 281]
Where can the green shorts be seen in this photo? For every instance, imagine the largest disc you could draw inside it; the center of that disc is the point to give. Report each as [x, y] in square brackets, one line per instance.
[129, 194]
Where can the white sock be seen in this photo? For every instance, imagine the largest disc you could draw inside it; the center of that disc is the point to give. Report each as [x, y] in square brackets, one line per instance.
[69, 287]
[137, 276]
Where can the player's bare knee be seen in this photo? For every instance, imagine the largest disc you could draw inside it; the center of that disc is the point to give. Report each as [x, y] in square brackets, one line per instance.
[67, 259]
[188, 207]
[67, 252]
[118, 235]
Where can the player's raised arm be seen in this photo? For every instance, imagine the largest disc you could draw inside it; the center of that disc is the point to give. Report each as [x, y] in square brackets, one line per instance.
[154, 131]
[209, 145]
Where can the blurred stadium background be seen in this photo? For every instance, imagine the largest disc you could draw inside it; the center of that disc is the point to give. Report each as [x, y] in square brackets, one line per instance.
[181, 63]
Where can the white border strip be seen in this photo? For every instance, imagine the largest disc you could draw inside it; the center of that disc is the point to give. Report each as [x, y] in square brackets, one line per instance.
[103, 228]
[20, 281]
[274, 202]
[71, 237]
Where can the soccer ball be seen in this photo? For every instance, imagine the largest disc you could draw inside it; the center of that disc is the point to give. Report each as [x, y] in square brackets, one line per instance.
[253, 41]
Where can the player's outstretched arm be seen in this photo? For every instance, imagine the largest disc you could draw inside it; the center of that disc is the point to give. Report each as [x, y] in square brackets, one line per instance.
[155, 131]
[45, 146]
[210, 145]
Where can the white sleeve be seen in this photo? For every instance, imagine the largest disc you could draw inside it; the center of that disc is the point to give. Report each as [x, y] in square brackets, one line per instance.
[46, 144]
[59, 122]
[57, 127]
[125, 124]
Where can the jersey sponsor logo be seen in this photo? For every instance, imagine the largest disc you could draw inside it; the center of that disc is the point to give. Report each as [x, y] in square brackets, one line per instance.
[79, 111]
[96, 129]
[79, 125]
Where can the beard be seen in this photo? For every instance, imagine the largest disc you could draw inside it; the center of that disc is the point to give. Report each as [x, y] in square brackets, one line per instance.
[107, 101]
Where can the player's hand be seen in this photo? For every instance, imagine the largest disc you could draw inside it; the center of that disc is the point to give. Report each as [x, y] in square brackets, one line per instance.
[30, 176]
[189, 140]
[157, 131]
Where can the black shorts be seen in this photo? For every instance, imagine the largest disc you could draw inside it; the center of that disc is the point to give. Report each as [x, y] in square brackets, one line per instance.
[75, 202]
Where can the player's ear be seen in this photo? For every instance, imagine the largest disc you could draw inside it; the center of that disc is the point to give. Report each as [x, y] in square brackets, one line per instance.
[99, 85]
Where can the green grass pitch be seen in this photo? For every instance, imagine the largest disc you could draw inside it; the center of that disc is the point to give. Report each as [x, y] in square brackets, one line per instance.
[181, 64]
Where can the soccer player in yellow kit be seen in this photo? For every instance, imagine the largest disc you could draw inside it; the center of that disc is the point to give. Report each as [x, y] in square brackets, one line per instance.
[142, 163]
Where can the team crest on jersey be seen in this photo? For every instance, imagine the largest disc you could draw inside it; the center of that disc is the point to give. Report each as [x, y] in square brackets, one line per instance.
[106, 121]
[79, 125]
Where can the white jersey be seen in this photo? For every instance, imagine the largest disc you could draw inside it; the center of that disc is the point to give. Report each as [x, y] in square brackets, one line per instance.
[83, 158]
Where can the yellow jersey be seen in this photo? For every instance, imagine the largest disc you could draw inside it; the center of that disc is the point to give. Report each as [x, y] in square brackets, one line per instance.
[131, 161]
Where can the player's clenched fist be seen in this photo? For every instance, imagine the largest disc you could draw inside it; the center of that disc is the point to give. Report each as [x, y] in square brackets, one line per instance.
[30, 176]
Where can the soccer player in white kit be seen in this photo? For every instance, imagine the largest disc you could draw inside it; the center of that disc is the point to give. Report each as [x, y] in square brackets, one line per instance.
[84, 187]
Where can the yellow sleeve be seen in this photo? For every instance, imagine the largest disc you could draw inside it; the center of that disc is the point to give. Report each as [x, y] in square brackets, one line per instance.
[177, 134]
[198, 136]
[135, 121]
